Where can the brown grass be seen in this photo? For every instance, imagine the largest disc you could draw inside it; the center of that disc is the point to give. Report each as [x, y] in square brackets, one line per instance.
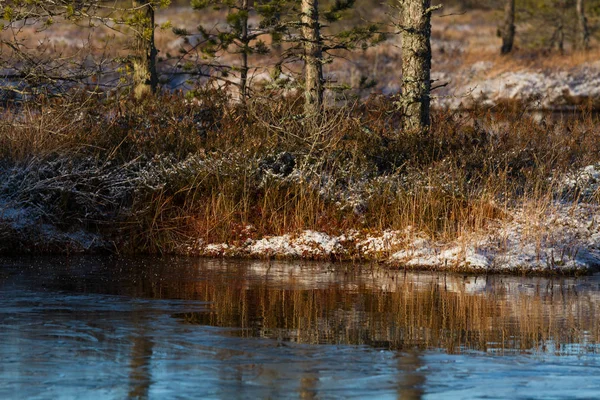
[352, 168]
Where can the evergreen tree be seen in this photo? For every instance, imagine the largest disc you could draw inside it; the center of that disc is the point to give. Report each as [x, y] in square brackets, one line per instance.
[550, 24]
[507, 31]
[40, 68]
[583, 31]
[313, 57]
[27, 68]
[321, 40]
[241, 37]
[415, 29]
[145, 76]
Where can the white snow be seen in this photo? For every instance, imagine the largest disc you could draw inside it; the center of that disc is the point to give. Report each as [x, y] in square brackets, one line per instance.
[550, 235]
[546, 88]
[375, 245]
[16, 217]
[424, 254]
[216, 249]
[586, 181]
[308, 243]
[25, 220]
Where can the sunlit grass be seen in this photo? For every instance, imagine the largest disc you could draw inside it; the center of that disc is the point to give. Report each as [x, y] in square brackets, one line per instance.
[167, 171]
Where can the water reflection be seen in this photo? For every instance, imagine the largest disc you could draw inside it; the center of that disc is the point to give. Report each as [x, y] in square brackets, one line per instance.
[357, 305]
[203, 328]
[140, 358]
[411, 381]
[400, 311]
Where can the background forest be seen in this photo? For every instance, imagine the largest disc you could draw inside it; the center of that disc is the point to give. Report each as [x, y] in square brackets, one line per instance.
[253, 48]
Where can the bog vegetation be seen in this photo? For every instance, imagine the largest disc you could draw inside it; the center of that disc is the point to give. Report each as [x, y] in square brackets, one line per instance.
[113, 138]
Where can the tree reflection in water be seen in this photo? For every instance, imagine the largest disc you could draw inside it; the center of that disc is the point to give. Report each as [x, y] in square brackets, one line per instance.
[139, 361]
[339, 304]
[400, 311]
[157, 335]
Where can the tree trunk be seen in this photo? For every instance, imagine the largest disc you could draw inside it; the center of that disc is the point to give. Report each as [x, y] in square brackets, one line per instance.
[313, 57]
[583, 33]
[560, 39]
[245, 46]
[416, 63]
[145, 77]
[508, 29]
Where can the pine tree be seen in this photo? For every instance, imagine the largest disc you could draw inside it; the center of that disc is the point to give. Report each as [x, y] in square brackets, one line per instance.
[318, 45]
[27, 69]
[551, 24]
[313, 57]
[145, 76]
[507, 32]
[241, 37]
[416, 63]
[583, 30]
[39, 68]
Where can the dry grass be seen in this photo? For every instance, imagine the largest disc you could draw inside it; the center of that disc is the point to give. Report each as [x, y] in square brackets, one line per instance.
[152, 175]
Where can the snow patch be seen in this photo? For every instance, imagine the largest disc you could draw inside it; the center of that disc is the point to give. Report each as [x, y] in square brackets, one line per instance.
[584, 182]
[387, 242]
[307, 244]
[424, 254]
[550, 89]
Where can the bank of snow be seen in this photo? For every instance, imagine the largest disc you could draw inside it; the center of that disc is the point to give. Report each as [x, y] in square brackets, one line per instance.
[556, 238]
[545, 89]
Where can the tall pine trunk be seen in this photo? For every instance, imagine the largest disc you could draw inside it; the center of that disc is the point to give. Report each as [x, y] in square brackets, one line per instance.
[508, 29]
[145, 77]
[416, 63]
[313, 57]
[245, 48]
[583, 40]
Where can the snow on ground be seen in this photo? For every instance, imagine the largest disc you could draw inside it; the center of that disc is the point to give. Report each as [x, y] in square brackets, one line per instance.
[16, 217]
[548, 89]
[383, 244]
[584, 183]
[554, 237]
[548, 237]
[424, 254]
[307, 244]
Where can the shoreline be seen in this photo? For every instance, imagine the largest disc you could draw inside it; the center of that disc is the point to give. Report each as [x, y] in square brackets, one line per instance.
[563, 241]
[479, 193]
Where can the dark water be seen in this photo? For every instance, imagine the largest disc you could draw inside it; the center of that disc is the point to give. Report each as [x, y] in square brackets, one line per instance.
[176, 328]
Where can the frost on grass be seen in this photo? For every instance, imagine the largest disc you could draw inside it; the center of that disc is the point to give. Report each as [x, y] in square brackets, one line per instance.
[63, 204]
[583, 184]
[22, 228]
[381, 245]
[558, 234]
[559, 238]
[563, 236]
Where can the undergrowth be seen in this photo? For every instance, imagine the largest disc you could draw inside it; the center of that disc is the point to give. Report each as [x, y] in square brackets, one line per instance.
[147, 176]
